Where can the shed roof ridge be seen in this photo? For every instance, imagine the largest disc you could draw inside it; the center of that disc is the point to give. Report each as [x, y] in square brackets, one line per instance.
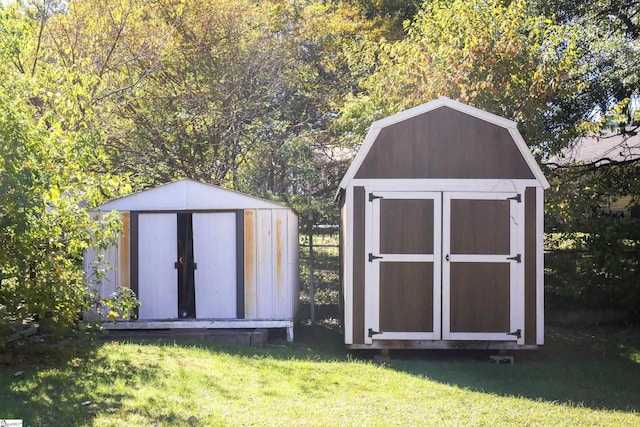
[189, 182]
[444, 101]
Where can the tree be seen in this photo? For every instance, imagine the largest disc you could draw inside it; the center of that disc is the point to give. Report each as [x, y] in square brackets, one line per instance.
[494, 55]
[46, 153]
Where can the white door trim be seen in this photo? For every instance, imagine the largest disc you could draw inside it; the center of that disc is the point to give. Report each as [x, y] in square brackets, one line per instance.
[516, 269]
[372, 269]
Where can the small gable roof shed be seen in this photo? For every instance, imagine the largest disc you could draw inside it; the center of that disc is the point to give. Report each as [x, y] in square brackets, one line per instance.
[201, 256]
[442, 215]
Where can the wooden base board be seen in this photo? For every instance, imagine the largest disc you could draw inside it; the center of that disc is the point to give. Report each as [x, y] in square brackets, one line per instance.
[441, 345]
[202, 324]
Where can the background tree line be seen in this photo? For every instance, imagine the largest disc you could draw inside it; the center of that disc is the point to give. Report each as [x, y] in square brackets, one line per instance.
[99, 98]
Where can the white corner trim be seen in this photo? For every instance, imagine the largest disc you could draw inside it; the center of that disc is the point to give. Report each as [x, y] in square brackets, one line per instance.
[372, 135]
[528, 157]
[539, 266]
[348, 266]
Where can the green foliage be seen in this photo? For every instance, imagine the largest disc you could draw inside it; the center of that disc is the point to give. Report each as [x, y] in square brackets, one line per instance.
[272, 98]
[599, 268]
[494, 55]
[326, 268]
[47, 151]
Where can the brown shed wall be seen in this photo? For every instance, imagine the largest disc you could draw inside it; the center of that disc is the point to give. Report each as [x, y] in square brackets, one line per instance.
[444, 143]
[530, 260]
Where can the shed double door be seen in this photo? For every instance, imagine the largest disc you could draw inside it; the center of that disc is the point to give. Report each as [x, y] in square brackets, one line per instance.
[444, 266]
[187, 265]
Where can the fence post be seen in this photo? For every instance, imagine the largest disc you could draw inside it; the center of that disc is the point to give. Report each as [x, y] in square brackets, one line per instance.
[312, 287]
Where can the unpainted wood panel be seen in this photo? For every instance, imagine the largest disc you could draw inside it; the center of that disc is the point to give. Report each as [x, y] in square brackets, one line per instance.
[406, 297]
[358, 259]
[480, 297]
[250, 265]
[480, 226]
[124, 251]
[444, 143]
[530, 272]
[406, 226]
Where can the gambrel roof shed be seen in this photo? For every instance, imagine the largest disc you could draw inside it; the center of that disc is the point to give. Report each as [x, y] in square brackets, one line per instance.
[442, 222]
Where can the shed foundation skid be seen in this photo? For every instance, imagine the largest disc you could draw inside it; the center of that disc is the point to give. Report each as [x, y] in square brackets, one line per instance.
[251, 333]
[441, 345]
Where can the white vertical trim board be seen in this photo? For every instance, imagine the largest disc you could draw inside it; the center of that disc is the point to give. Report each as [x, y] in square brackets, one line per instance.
[437, 267]
[516, 308]
[446, 266]
[348, 265]
[371, 275]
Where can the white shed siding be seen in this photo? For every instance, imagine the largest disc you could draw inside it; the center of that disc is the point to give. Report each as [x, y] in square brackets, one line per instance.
[265, 270]
[266, 243]
[271, 264]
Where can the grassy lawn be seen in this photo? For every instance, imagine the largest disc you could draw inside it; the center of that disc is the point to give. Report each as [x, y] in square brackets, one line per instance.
[581, 377]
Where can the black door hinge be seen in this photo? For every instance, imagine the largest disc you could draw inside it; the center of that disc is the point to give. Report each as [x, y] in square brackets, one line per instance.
[517, 258]
[372, 257]
[372, 333]
[517, 333]
[517, 198]
[372, 197]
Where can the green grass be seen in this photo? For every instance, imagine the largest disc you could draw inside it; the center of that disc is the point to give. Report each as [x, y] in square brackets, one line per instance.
[581, 377]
